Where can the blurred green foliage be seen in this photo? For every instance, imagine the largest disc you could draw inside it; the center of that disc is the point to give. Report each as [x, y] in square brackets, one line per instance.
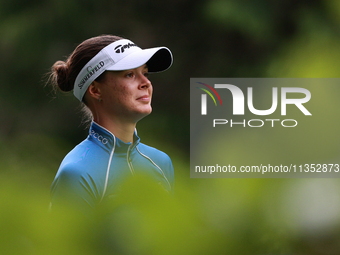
[209, 38]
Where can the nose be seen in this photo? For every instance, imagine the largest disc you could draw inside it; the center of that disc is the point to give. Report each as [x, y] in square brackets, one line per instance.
[145, 83]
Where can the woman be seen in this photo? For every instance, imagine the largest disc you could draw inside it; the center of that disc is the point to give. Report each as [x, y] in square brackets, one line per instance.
[109, 75]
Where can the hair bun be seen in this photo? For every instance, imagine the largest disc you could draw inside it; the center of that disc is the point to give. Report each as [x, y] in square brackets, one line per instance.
[64, 73]
[60, 76]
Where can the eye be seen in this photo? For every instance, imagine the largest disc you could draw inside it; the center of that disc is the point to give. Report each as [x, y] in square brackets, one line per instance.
[130, 75]
[146, 74]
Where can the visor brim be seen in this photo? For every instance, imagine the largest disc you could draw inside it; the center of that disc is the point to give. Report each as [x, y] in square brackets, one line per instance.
[157, 59]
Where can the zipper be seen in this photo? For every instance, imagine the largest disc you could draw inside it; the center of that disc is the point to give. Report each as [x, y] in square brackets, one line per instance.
[108, 167]
[129, 161]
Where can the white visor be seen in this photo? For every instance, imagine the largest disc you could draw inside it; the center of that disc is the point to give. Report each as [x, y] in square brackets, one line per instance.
[118, 56]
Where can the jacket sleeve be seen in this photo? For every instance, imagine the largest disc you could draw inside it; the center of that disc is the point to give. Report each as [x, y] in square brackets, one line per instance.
[71, 189]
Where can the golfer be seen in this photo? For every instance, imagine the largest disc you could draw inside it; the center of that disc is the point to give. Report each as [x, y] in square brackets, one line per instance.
[109, 75]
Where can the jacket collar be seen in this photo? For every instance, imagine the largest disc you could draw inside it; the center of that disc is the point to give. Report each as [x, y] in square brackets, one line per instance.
[107, 140]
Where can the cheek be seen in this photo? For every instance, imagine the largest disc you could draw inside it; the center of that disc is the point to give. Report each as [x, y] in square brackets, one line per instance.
[119, 99]
[117, 93]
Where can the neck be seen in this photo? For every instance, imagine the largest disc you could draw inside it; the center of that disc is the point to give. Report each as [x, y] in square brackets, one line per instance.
[122, 130]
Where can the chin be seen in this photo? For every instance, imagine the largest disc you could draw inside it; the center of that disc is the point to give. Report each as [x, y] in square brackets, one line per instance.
[147, 110]
[144, 113]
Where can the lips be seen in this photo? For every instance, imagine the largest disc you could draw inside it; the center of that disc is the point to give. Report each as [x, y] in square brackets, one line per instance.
[144, 98]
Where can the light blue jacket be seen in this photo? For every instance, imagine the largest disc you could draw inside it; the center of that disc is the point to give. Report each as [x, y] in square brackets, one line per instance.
[94, 169]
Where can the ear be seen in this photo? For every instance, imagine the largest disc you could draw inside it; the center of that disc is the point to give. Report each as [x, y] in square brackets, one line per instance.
[94, 90]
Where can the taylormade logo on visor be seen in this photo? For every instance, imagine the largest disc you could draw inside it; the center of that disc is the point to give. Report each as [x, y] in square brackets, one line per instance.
[91, 71]
[121, 48]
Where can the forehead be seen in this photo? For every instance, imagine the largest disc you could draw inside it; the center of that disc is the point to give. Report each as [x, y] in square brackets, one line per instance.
[143, 67]
[113, 74]
[140, 68]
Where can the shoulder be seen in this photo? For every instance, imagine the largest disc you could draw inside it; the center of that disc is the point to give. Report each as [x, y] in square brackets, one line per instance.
[157, 157]
[70, 180]
[153, 153]
[75, 163]
[81, 156]
[160, 159]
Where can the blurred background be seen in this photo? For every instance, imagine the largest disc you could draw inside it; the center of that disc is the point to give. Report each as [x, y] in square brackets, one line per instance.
[208, 38]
